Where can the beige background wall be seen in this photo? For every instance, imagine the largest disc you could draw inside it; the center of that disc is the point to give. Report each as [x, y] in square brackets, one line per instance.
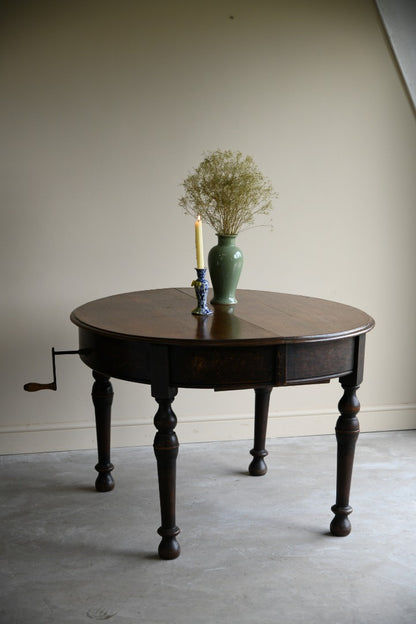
[105, 108]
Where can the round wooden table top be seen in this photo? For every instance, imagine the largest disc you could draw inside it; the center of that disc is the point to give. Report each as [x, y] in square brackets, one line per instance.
[165, 316]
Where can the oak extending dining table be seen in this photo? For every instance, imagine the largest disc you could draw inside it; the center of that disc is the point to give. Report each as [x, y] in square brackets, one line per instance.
[266, 340]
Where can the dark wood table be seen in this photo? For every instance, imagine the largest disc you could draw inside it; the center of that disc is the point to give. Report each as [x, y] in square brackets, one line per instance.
[266, 340]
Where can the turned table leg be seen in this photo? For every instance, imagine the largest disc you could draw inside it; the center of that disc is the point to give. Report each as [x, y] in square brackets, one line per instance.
[102, 396]
[166, 447]
[347, 430]
[258, 466]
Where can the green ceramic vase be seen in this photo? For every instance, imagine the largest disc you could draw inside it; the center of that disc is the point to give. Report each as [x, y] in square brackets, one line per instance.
[225, 262]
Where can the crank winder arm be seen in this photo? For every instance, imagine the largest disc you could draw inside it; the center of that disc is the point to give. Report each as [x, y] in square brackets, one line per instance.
[34, 386]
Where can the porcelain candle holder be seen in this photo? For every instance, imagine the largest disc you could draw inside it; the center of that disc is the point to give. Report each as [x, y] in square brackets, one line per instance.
[201, 292]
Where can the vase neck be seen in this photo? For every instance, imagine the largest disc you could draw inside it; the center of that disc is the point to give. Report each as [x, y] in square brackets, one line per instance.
[226, 239]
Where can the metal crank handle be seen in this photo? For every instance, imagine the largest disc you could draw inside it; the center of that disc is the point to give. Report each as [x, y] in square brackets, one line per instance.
[33, 386]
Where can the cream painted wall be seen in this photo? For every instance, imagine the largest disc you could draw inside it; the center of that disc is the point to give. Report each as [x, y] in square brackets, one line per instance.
[106, 106]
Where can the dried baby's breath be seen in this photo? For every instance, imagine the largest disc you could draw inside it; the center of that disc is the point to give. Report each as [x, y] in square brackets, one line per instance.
[228, 191]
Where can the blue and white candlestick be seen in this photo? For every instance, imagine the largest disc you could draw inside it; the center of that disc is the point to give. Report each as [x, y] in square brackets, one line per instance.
[201, 292]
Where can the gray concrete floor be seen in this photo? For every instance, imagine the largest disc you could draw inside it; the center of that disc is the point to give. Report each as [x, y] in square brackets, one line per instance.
[253, 549]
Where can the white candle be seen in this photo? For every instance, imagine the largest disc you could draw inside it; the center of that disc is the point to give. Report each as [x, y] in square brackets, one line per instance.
[199, 244]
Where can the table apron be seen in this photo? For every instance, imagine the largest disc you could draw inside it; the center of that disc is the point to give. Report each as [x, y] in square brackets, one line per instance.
[310, 362]
[220, 367]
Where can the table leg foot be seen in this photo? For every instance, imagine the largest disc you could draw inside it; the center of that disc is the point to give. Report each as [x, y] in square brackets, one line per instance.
[104, 481]
[258, 466]
[347, 430]
[102, 396]
[169, 547]
[166, 447]
[340, 525]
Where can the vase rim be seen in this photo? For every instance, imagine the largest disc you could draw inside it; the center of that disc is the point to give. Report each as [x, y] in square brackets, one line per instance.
[226, 235]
